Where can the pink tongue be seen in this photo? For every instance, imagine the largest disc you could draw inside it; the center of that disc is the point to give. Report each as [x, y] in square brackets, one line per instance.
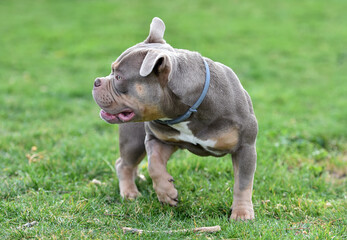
[107, 116]
[126, 116]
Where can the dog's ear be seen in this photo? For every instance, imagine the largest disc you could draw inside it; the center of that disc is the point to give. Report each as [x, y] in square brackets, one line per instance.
[157, 62]
[154, 61]
[156, 32]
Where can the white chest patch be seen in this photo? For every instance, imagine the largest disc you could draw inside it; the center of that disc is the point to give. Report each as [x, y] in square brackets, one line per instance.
[186, 135]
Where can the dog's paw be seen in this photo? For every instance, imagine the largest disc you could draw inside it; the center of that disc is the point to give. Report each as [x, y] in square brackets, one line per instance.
[130, 194]
[128, 190]
[166, 192]
[242, 213]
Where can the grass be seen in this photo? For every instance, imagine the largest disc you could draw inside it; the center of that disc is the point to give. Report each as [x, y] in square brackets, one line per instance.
[291, 56]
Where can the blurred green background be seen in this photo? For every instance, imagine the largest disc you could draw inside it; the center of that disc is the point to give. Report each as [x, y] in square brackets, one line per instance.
[291, 57]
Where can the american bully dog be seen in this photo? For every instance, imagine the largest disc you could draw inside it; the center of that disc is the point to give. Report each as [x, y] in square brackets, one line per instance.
[167, 98]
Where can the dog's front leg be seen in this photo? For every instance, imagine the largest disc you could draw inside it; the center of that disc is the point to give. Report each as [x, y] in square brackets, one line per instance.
[244, 162]
[158, 154]
[132, 151]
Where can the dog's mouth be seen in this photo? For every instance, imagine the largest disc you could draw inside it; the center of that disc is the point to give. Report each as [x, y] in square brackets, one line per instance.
[125, 115]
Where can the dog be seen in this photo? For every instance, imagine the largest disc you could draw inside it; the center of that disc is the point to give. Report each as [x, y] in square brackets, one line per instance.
[165, 99]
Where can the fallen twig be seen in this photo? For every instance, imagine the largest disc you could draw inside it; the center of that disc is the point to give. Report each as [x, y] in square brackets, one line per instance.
[200, 230]
[28, 225]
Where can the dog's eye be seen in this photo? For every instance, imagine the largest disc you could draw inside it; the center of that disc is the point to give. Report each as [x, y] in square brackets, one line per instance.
[117, 77]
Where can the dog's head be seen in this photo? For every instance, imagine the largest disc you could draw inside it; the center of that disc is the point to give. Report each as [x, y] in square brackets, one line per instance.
[139, 87]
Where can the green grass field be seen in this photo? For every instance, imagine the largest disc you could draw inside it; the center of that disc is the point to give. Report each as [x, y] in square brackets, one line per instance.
[291, 56]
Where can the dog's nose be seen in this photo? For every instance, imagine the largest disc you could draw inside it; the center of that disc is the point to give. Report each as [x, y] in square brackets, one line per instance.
[97, 82]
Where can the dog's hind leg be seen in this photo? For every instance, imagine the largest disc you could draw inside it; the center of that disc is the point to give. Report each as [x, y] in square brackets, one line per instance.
[244, 161]
[132, 151]
[244, 164]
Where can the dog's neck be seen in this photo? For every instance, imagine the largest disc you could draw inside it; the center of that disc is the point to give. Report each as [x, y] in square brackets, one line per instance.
[195, 106]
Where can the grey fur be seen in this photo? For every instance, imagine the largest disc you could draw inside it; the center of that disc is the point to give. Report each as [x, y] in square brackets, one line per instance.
[163, 82]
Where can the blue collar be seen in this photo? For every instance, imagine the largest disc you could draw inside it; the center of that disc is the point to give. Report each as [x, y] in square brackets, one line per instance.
[193, 108]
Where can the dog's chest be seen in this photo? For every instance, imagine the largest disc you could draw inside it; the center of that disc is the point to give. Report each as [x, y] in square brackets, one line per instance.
[186, 135]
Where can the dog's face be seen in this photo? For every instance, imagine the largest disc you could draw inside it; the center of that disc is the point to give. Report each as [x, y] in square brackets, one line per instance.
[136, 88]
[125, 95]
